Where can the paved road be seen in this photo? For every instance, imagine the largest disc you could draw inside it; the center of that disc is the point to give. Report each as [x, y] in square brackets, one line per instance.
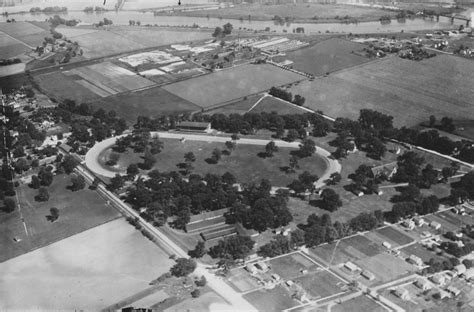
[235, 299]
[92, 156]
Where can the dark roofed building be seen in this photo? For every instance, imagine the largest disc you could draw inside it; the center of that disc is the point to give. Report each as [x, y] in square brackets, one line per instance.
[194, 126]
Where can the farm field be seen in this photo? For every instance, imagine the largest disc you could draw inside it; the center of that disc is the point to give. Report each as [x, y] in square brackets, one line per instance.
[121, 39]
[276, 299]
[84, 270]
[108, 79]
[361, 303]
[25, 32]
[231, 84]
[271, 104]
[326, 57]
[12, 69]
[150, 102]
[409, 91]
[78, 211]
[255, 170]
[290, 266]
[394, 235]
[320, 284]
[239, 107]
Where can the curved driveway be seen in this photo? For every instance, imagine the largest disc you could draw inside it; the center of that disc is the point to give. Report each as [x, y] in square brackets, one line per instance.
[92, 156]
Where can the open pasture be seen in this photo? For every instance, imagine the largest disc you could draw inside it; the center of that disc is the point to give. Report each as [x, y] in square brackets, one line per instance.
[407, 90]
[78, 211]
[326, 57]
[320, 284]
[231, 84]
[271, 104]
[151, 102]
[386, 267]
[89, 271]
[361, 303]
[290, 266]
[256, 168]
[271, 300]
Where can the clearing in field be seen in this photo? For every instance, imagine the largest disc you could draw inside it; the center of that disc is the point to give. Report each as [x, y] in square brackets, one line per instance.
[326, 57]
[151, 102]
[270, 104]
[256, 168]
[320, 284]
[88, 271]
[276, 299]
[78, 211]
[291, 266]
[231, 84]
[407, 90]
[386, 267]
[109, 78]
[361, 303]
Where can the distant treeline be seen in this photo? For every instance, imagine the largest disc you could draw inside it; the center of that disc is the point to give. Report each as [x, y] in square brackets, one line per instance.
[54, 9]
[6, 62]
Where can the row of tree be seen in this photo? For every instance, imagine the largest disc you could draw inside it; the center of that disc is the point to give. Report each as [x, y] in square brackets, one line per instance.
[287, 96]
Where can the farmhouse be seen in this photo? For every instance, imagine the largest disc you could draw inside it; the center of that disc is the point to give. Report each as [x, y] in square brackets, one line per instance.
[251, 268]
[401, 293]
[192, 126]
[415, 260]
[262, 266]
[435, 225]
[438, 279]
[419, 221]
[422, 284]
[409, 224]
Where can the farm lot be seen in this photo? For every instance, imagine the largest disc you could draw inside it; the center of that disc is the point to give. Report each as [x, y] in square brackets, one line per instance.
[326, 57]
[409, 91]
[320, 284]
[348, 249]
[108, 79]
[276, 299]
[271, 104]
[151, 102]
[386, 267]
[394, 235]
[78, 211]
[255, 169]
[25, 32]
[241, 106]
[361, 303]
[120, 39]
[241, 280]
[290, 266]
[231, 84]
[89, 271]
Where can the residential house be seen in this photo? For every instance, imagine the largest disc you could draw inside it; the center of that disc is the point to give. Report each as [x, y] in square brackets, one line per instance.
[401, 293]
[415, 260]
[438, 279]
[453, 290]
[422, 284]
[460, 269]
[435, 225]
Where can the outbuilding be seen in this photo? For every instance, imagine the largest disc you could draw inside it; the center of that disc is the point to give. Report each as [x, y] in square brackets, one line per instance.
[193, 126]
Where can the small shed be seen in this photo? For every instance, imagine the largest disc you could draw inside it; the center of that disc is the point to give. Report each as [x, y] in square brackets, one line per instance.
[368, 275]
[351, 266]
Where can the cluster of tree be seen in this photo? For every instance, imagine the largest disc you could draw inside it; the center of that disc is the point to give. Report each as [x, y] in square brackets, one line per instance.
[464, 189]
[410, 202]
[455, 250]
[183, 267]
[445, 124]
[318, 230]
[304, 183]
[133, 23]
[435, 266]
[220, 32]
[6, 181]
[90, 9]
[415, 53]
[55, 9]
[105, 22]
[280, 244]
[57, 20]
[233, 247]
[6, 62]
[287, 96]
[258, 209]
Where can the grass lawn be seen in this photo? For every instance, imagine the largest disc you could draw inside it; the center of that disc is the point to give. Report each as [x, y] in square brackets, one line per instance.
[290, 266]
[254, 170]
[271, 104]
[422, 252]
[78, 211]
[276, 299]
[409, 91]
[231, 84]
[386, 267]
[326, 57]
[395, 235]
[89, 271]
[320, 284]
[150, 102]
[361, 303]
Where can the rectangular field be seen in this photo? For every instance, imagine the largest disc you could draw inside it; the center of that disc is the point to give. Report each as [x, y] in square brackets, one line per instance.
[290, 266]
[276, 299]
[361, 303]
[326, 56]
[150, 102]
[394, 235]
[78, 211]
[77, 268]
[407, 90]
[231, 84]
[320, 284]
